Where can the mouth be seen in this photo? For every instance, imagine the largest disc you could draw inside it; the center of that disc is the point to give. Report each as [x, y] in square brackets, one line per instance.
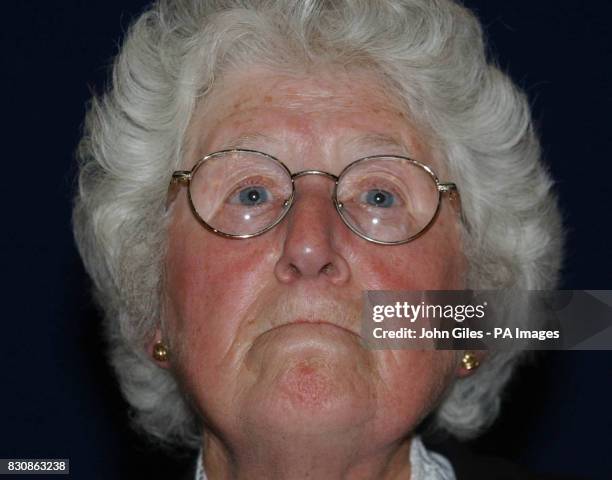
[315, 323]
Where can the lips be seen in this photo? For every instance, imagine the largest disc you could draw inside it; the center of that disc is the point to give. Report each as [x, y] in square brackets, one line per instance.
[314, 322]
[307, 308]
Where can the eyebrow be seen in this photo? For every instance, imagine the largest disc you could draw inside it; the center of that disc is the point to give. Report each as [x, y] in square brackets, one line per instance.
[364, 141]
[247, 139]
[379, 140]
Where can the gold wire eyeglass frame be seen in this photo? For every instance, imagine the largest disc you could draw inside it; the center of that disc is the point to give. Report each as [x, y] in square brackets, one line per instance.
[183, 177]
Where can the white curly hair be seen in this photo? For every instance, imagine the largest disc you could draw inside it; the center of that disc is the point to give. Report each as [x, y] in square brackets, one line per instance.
[430, 52]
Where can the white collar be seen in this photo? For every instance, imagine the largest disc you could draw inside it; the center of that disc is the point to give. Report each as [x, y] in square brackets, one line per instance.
[425, 465]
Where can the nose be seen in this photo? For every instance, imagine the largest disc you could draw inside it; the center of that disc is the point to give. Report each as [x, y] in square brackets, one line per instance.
[312, 236]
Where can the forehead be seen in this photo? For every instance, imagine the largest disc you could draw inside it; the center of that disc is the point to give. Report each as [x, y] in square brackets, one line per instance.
[324, 120]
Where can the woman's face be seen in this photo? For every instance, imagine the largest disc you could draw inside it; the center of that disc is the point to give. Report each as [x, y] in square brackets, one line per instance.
[265, 332]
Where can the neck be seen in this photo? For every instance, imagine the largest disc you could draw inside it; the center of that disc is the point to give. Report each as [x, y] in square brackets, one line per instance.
[307, 457]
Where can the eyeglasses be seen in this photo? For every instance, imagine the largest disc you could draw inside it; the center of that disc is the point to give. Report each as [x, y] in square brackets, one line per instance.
[385, 199]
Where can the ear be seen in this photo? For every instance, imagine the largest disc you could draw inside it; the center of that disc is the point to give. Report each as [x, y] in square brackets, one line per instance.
[151, 345]
[475, 358]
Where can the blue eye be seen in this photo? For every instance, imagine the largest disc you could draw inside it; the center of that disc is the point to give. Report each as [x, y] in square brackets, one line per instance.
[253, 196]
[379, 198]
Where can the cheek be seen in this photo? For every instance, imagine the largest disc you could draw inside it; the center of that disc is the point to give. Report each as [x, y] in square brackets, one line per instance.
[210, 283]
[210, 288]
[413, 267]
[433, 261]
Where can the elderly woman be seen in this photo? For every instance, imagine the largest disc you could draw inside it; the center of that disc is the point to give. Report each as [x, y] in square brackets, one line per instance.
[253, 169]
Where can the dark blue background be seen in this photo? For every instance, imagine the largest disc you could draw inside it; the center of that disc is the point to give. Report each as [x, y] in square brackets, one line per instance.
[59, 398]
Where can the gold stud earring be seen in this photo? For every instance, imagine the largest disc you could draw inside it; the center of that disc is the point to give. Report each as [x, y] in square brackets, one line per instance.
[160, 352]
[470, 362]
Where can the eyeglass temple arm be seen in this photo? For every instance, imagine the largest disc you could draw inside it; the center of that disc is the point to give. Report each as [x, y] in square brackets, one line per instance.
[449, 188]
[453, 194]
[180, 176]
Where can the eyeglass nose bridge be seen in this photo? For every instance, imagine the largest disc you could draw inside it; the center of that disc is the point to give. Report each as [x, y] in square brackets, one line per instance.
[302, 173]
[321, 173]
[337, 204]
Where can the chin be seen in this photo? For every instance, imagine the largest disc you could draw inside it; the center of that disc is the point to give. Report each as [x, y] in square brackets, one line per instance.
[310, 387]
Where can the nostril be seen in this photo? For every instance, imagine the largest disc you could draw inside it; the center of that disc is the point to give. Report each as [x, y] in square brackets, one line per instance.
[336, 271]
[326, 269]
